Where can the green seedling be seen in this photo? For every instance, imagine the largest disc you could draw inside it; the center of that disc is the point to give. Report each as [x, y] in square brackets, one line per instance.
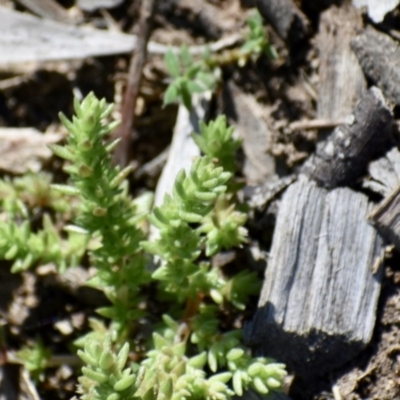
[190, 75]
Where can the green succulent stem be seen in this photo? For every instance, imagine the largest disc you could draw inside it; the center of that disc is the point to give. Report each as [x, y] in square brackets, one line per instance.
[106, 211]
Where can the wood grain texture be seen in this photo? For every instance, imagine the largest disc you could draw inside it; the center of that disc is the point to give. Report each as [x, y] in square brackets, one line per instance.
[345, 154]
[379, 57]
[318, 302]
[342, 81]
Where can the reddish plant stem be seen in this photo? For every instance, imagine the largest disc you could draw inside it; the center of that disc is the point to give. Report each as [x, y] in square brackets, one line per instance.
[124, 130]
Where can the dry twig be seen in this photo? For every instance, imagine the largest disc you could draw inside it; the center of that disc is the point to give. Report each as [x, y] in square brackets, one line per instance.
[124, 131]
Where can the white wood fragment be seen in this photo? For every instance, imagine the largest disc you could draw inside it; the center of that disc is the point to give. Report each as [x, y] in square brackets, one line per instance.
[183, 149]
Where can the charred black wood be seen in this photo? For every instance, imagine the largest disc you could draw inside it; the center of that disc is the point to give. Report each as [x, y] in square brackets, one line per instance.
[344, 155]
[286, 18]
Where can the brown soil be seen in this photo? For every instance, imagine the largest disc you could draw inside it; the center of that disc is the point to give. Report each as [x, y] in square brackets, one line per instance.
[35, 305]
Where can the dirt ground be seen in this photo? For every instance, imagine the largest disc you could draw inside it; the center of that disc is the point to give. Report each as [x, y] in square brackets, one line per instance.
[36, 305]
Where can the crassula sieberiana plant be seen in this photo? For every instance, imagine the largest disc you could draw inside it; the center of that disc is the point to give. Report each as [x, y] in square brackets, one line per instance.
[182, 348]
[24, 199]
[198, 217]
[106, 212]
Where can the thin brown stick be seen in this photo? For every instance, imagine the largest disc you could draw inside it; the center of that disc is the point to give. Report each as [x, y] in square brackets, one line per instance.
[124, 131]
[315, 124]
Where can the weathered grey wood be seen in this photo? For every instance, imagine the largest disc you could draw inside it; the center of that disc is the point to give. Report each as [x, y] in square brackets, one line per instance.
[386, 217]
[286, 18]
[345, 154]
[25, 38]
[317, 306]
[384, 173]
[341, 78]
[379, 57]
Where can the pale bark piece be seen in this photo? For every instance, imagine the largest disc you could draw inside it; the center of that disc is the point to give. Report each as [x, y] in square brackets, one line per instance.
[183, 149]
[286, 18]
[379, 57]
[377, 9]
[24, 149]
[28, 38]
[247, 116]
[345, 154]
[386, 217]
[317, 308]
[342, 81]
